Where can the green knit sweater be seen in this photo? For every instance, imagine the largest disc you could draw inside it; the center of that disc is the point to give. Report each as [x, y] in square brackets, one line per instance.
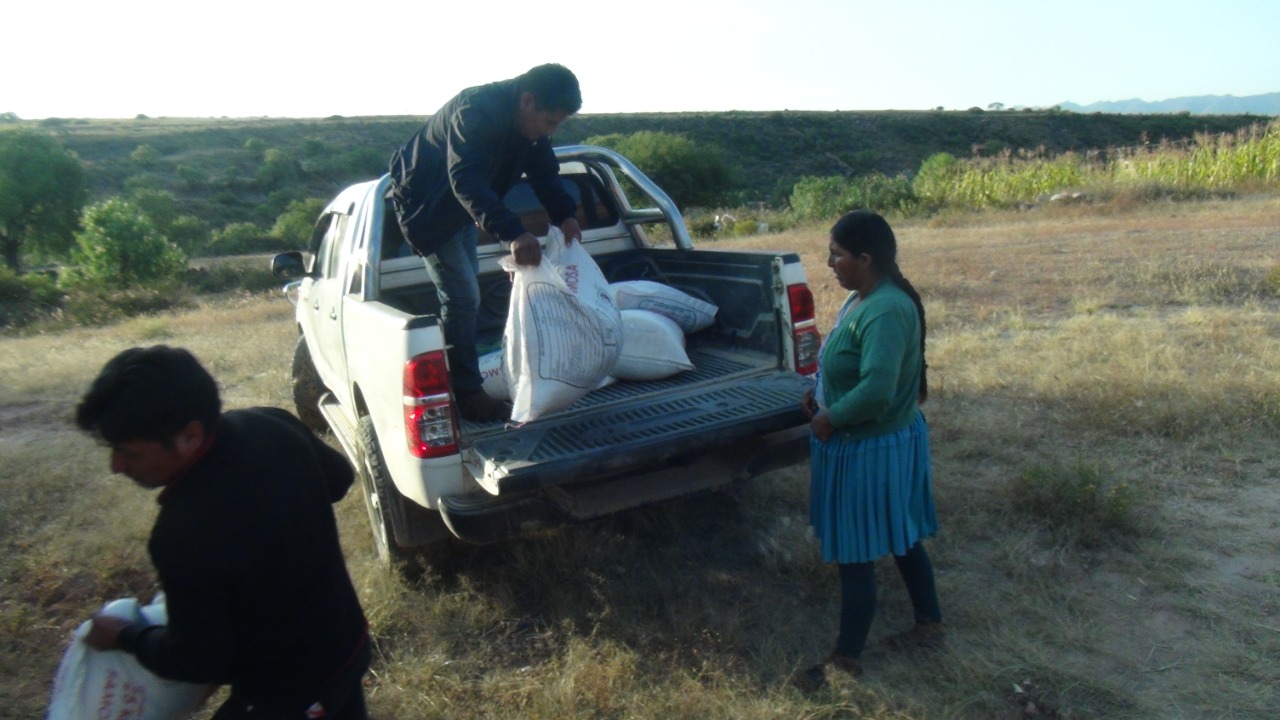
[871, 364]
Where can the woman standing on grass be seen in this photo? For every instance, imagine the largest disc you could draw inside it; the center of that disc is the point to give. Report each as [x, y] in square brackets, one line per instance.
[870, 488]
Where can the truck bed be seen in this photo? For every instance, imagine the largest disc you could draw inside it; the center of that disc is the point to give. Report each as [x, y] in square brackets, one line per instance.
[739, 387]
[631, 426]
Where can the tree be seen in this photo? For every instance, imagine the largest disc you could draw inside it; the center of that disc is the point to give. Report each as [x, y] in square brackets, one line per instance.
[189, 233]
[280, 168]
[937, 175]
[159, 205]
[693, 175]
[145, 156]
[42, 190]
[296, 223]
[120, 247]
[242, 238]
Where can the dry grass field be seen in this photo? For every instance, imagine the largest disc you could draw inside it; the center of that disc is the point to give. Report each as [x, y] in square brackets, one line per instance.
[1105, 406]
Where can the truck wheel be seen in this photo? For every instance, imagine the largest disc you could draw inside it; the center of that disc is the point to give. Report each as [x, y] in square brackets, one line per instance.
[406, 535]
[307, 388]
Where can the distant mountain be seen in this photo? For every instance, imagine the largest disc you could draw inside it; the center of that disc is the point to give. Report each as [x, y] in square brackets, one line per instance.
[1268, 104]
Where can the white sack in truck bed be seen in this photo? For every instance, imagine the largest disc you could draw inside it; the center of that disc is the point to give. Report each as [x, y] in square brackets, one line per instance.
[563, 333]
[690, 313]
[652, 347]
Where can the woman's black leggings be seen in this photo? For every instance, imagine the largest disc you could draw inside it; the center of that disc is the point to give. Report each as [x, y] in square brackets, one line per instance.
[858, 597]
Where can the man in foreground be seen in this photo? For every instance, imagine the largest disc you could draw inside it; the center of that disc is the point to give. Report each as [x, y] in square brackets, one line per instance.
[451, 176]
[245, 543]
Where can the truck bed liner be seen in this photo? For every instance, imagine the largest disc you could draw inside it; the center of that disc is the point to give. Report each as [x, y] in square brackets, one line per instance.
[637, 424]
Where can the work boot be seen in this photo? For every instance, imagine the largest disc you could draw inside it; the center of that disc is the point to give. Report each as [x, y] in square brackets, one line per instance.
[479, 407]
[921, 636]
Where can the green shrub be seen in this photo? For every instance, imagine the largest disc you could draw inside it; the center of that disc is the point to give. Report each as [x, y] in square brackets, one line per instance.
[1081, 503]
[827, 198]
[190, 234]
[242, 239]
[703, 228]
[817, 198]
[248, 275]
[25, 298]
[693, 174]
[121, 247]
[280, 168]
[935, 176]
[1272, 281]
[294, 226]
[879, 192]
[93, 305]
[145, 156]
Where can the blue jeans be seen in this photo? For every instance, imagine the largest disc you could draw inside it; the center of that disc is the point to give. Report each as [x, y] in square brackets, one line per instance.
[455, 270]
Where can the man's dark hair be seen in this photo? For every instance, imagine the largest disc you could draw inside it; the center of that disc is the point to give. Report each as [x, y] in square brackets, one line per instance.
[554, 88]
[149, 394]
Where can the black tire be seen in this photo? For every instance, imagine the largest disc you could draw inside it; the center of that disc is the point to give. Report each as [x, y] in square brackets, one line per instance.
[406, 536]
[307, 388]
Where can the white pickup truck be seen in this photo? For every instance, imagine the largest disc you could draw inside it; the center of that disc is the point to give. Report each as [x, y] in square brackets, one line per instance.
[370, 365]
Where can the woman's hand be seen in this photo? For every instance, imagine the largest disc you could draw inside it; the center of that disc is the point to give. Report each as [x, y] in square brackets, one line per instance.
[822, 427]
[809, 405]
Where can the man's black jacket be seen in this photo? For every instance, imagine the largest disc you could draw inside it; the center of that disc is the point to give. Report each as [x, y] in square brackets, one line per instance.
[455, 170]
[246, 547]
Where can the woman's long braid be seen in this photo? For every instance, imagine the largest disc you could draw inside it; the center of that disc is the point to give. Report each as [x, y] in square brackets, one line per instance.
[896, 275]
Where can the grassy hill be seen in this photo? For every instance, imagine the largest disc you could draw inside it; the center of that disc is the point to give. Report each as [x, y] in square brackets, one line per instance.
[225, 170]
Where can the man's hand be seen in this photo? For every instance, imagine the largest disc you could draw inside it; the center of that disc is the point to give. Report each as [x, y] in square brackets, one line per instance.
[104, 634]
[525, 250]
[571, 230]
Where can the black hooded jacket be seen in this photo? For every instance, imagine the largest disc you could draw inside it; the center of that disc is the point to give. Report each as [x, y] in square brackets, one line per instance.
[246, 547]
[455, 170]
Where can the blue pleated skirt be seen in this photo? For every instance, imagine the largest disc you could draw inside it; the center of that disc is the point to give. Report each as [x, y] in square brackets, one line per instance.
[871, 497]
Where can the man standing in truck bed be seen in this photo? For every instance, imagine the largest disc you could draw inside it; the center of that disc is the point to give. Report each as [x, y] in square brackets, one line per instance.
[450, 178]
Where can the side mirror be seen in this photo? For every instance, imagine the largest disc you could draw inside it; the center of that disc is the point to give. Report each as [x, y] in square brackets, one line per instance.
[287, 266]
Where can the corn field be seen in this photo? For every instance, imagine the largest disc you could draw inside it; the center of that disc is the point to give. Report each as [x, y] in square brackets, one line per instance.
[1248, 159]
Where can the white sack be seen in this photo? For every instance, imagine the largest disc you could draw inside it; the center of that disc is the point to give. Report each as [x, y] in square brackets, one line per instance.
[652, 347]
[93, 684]
[690, 313]
[563, 332]
[493, 373]
[494, 376]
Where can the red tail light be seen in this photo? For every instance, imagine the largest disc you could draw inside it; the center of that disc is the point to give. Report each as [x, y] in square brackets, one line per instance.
[804, 329]
[428, 415]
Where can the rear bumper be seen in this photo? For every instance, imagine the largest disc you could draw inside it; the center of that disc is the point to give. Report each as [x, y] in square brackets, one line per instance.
[484, 518]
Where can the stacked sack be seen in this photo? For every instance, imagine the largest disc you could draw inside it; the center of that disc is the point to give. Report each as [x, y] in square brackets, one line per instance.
[654, 319]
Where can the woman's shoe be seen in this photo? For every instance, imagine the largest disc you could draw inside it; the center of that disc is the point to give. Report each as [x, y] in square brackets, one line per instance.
[811, 679]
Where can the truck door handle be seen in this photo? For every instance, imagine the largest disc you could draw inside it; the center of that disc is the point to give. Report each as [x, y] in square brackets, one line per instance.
[333, 313]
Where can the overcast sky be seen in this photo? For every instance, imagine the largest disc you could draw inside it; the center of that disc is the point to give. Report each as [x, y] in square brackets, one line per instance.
[286, 58]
